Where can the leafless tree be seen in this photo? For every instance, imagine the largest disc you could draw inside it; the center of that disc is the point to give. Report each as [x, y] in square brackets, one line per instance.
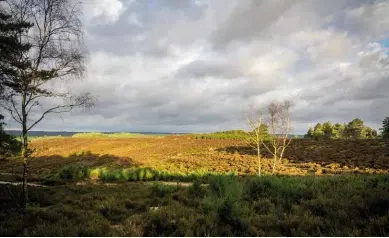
[56, 55]
[279, 128]
[255, 137]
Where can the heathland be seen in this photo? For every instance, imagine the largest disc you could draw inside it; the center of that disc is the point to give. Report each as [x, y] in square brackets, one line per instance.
[194, 185]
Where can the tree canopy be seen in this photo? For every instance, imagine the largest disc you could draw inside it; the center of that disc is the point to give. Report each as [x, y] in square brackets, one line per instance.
[355, 129]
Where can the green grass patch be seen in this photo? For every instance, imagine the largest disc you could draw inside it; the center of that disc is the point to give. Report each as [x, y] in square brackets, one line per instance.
[77, 172]
[231, 135]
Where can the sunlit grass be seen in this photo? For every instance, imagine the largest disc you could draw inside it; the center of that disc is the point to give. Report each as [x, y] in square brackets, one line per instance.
[93, 135]
[77, 172]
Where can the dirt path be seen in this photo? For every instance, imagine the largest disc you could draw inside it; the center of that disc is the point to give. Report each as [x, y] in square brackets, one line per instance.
[20, 183]
[83, 183]
[107, 184]
[182, 184]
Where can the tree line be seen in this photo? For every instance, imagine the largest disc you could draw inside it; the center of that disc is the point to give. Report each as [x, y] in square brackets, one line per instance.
[355, 129]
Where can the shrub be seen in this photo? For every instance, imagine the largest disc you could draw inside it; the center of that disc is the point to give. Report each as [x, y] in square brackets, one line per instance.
[111, 175]
[196, 189]
[225, 197]
[148, 174]
[74, 172]
[160, 190]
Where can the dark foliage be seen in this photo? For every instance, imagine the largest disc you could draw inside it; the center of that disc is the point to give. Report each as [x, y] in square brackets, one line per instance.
[8, 144]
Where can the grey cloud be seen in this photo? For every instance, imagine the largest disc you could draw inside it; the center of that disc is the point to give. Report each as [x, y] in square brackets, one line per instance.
[249, 20]
[184, 67]
[203, 68]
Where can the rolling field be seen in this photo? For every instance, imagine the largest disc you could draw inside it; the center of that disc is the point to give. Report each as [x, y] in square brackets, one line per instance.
[185, 154]
[215, 205]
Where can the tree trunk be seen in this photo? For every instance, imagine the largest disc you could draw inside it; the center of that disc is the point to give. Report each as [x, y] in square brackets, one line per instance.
[259, 160]
[25, 156]
[274, 160]
[282, 153]
[25, 169]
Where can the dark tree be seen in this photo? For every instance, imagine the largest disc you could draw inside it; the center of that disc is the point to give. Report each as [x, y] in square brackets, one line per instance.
[10, 48]
[8, 144]
[309, 134]
[385, 128]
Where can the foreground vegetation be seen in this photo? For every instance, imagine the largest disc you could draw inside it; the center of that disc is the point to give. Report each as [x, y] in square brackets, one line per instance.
[267, 206]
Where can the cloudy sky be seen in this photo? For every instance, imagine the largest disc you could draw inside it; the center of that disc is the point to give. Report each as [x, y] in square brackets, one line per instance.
[195, 65]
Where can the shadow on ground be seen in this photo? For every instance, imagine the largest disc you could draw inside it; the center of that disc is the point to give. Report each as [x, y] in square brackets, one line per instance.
[372, 154]
[48, 164]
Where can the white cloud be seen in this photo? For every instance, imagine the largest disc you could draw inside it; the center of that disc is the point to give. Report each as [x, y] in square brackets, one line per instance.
[108, 10]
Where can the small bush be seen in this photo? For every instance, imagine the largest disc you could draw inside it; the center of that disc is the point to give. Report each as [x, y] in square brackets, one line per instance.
[74, 172]
[160, 190]
[196, 189]
[225, 197]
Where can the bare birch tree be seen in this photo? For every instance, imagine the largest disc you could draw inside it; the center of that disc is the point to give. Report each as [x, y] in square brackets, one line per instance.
[279, 129]
[255, 137]
[56, 55]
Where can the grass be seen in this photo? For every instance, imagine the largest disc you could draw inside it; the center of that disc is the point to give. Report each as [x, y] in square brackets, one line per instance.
[229, 206]
[182, 154]
[108, 135]
[94, 135]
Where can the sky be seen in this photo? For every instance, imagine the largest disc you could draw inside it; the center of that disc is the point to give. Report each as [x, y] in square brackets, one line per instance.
[195, 65]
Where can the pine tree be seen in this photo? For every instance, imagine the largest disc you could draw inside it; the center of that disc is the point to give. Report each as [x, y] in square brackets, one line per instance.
[385, 128]
[10, 51]
[309, 134]
[8, 144]
[338, 131]
[328, 130]
[356, 129]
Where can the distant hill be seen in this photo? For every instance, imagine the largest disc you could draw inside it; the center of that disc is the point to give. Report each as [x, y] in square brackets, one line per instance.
[68, 133]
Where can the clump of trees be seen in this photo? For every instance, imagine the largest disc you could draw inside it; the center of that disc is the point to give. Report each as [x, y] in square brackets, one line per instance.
[355, 129]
